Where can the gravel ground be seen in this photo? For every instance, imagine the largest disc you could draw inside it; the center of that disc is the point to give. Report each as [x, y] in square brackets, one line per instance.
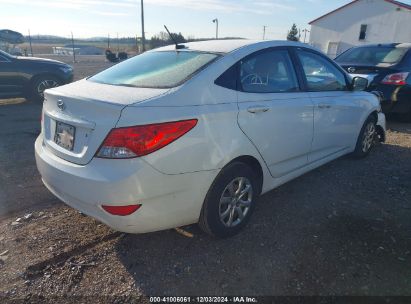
[342, 229]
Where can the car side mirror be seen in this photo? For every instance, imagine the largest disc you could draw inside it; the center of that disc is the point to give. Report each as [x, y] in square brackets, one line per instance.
[359, 84]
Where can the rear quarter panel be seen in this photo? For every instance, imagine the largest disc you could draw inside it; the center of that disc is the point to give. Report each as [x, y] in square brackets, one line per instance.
[210, 145]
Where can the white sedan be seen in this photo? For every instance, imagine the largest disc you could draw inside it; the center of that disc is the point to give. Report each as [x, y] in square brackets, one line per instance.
[195, 134]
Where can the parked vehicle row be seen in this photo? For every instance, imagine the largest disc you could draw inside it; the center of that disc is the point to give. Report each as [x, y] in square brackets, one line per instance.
[29, 76]
[195, 134]
[388, 70]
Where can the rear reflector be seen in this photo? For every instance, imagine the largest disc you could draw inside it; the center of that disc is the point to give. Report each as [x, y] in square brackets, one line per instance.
[396, 79]
[121, 210]
[138, 141]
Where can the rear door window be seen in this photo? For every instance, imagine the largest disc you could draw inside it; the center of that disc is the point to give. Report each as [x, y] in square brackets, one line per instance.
[268, 72]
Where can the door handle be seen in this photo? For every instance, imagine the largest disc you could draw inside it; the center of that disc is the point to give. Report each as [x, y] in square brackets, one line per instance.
[258, 109]
[324, 106]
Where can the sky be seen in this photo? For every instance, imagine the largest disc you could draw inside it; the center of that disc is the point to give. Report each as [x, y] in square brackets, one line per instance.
[193, 18]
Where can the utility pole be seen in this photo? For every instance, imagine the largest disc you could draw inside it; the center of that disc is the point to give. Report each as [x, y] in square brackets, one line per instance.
[305, 31]
[143, 35]
[264, 27]
[118, 44]
[31, 48]
[108, 41]
[72, 44]
[216, 31]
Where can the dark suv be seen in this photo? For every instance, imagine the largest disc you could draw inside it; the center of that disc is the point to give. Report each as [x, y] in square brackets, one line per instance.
[29, 77]
[388, 70]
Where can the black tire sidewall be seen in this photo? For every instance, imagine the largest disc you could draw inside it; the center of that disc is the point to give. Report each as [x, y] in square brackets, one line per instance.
[358, 152]
[33, 94]
[210, 213]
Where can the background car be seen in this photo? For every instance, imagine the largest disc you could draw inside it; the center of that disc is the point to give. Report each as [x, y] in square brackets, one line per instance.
[388, 70]
[194, 135]
[29, 76]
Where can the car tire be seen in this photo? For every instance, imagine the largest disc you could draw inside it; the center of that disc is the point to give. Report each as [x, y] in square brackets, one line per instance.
[39, 85]
[367, 138]
[226, 209]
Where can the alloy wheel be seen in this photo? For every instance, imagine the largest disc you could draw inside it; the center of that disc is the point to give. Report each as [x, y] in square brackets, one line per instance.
[235, 202]
[44, 85]
[369, 137]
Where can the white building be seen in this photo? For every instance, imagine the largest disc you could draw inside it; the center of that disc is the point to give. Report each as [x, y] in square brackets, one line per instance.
[361, 22]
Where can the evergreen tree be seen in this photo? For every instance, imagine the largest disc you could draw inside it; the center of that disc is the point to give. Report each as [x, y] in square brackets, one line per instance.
[293, 34]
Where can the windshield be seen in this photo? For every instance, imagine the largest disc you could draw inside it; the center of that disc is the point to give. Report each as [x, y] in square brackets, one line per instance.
[373, 55]
[155, 69]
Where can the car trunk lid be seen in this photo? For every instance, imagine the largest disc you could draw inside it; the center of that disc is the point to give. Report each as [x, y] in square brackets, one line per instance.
[366, 71]
[361, 69]
[74, 125]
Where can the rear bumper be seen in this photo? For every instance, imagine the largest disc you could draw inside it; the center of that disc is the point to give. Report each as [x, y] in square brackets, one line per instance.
[396, 99]
[167, 201]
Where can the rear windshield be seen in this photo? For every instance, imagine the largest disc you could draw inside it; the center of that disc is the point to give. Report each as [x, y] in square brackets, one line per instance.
[373, 55]
[155, 69]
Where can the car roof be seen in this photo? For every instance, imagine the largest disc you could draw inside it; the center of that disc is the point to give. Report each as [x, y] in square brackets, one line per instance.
[229, 45]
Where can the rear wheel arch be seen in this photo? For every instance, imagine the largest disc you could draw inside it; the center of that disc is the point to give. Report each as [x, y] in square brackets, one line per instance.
[255, 165]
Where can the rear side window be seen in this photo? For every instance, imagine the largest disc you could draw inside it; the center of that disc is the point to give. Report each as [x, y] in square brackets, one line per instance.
[321, 74]
[268, 72]
[228, 79]
[373, 55]
[155, 69]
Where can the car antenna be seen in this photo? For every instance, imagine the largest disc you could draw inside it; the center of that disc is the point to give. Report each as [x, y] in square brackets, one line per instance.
[178, 46]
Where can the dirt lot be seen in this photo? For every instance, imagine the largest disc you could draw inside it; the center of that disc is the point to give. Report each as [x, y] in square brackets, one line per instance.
[343, 229]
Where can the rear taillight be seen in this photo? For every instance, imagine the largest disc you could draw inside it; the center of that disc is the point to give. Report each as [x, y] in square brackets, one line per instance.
[138, 141]
[396, 79]
[121, 210]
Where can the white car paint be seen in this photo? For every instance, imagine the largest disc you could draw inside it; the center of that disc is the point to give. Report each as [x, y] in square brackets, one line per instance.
[283, 151]
[292, 137]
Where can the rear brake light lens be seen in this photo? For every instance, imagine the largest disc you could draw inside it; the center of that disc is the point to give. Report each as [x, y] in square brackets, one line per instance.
[121, 210]
[138, 141]
[396, 79]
